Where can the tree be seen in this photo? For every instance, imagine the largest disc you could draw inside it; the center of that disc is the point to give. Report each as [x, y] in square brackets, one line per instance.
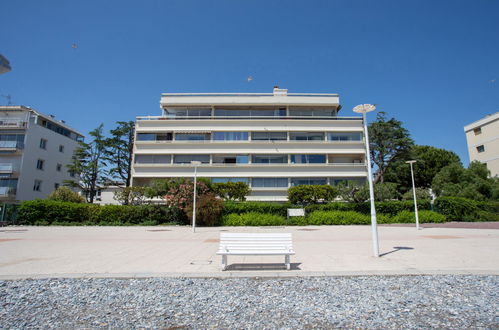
[388, 141]
[311, 194]
[88, 164]
[120, 151]
[64, 194]
[429, 161]
[232, 190]
[473, 183]
[130, 195]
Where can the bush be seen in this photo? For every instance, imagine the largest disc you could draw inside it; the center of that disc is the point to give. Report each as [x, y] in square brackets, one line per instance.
[253, 219]
[308, 194]
[208, 210]
[456, 208]
[389, 208]
[232, 190]
[259, 207]
[424, 217]
[338, 218]
[421, 194]
[64, 194]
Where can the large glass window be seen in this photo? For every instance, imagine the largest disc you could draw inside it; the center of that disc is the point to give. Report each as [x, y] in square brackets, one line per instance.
[190, 112]
[12, 140]
[250, 112]
[230, 159]
[308, 159]
[269, 136]
[225, 180]
[153, 159]
[269, 182]
[353, 181]
[154, 136]
[306, 136]
[187, 159]
[230, 136]
[344, 136]
[269, 159]
[192, 136]
[312, 112]
[308, 181]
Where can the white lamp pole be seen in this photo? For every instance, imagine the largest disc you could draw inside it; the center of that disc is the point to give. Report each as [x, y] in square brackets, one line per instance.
[363, 109]
[196, 164]
[410, 162]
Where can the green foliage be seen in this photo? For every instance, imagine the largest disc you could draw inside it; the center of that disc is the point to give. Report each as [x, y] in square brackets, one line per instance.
[389, 208]
[45, 212]
[253, 219]
[429, 161]
[208, 210]
[259, 207]
[472, 183]
[425, 216]
[130, 195]
[64, 194]
[308, 194]
[463, 209]
[182, 196]
[234, 191]
[388, 142]
[382, 192]
[119, 151]
[421, 193]
[338, 218]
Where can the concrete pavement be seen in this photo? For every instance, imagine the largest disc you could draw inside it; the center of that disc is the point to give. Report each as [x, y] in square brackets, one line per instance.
[44, 252]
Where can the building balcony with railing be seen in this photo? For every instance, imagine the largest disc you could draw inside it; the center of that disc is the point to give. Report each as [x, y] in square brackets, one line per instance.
[8, 168]
[12, 123]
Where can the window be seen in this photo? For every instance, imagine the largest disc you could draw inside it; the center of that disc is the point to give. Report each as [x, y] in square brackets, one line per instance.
[477, 130]
[189, 112]
[308, 159]
[43, 144]
[250, 112]
[61, 148]
[225, 180]
[12, 141]
[153, 159]
[230, 136]
[306, 136]
[39, 164]
[192, 136]
[154, 136]
[269, 136]
[269, 159]
[71, 174]
[230, 159]
[269, 182]
[59, 167]
[37, 186]
[56, 186]
[312, 112]
[480, 148]
[345, 136]
[308, 181]
[187, 159]
[351, 181]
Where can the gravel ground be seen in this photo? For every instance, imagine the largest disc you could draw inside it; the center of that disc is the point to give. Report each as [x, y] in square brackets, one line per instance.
[445, 301]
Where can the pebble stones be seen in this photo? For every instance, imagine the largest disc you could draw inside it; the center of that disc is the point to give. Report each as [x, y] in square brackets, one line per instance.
[445, 301]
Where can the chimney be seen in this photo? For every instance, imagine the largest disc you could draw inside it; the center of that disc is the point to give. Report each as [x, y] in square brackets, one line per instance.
[279, 91]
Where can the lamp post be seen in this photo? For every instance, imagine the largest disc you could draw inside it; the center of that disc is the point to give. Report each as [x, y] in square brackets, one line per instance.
[196, 164]
[363, 109]
[410, 162]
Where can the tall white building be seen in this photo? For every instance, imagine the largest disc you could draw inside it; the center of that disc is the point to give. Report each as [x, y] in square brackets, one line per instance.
[482, 137]
[34, 151]
[272, 141]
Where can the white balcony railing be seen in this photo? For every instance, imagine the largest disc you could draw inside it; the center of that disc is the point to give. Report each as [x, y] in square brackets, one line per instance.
[12, 123]
[7, 168]
[11, 145]
[250, 165]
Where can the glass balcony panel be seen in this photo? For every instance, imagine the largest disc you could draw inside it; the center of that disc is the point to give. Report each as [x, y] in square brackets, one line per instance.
[230, 136]
[269, 159]
[192, 137]
[146, 137]
[269, 136]
[187, 159]
[225, 180]
[269, 182]
[345, 136]
[306, 136]
[308, 181]
[308, 159]
[153, 159]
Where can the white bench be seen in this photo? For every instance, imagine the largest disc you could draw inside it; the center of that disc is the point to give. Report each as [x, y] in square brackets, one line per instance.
[243, 244]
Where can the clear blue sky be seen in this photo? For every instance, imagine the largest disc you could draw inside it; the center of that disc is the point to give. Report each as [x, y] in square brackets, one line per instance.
[430, 64]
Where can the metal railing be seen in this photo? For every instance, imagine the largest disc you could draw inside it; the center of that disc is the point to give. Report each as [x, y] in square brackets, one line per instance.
[13, 123]
[7, 167]
[246, 118]
[251, 164]
[246, 141]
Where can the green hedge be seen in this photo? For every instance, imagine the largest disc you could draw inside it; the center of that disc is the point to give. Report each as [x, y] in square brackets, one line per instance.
[463, 209]
[259, 207]
[391, 208]
[253, 219]
[45, 212]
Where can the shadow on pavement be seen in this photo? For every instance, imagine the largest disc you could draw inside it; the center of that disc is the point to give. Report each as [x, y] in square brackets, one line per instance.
[294, 266]
[395, 249]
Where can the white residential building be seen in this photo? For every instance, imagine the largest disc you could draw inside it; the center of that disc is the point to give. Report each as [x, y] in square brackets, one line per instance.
[34, 151]
[482, 137]
[272, 141]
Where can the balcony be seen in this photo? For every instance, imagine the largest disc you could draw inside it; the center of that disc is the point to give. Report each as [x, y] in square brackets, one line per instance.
[12, 123]
[7, 192]
[11, 145]
[7, 168]
[247, 118]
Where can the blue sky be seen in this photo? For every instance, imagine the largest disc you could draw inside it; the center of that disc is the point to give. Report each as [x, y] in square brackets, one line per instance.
[430, 64]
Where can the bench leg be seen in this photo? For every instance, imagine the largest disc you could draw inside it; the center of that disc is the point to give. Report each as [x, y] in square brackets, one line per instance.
[224, 262]
[287, 262]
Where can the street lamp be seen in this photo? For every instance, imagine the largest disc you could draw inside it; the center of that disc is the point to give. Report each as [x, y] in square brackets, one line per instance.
[363, 109]
[410, 162]
[196, 164]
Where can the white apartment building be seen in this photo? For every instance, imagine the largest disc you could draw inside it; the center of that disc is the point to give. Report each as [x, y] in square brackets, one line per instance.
[271, 141]
[34, 151]
[482, 137]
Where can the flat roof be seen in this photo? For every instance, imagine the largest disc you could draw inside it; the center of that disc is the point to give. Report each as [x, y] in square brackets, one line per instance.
[486, 120]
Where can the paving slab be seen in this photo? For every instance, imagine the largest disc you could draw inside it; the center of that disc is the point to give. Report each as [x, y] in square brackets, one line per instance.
[175, 251]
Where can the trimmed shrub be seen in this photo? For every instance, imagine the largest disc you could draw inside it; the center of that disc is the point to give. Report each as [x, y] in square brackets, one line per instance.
[456, 208]
[232, 190]
[64, 194]
[259, 207]
[338, 218]
[308, 194]
[426, 216]
[253, 219]
[388, 208]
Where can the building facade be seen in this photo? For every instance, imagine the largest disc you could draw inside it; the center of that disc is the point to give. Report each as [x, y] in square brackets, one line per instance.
[482, 137]
[34, 151]
[271, 141]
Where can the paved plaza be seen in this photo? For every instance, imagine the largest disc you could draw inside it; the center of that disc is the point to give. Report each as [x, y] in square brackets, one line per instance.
[44, 252]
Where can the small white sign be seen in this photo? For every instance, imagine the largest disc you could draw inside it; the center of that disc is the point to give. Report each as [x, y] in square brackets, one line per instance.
[296, 212]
